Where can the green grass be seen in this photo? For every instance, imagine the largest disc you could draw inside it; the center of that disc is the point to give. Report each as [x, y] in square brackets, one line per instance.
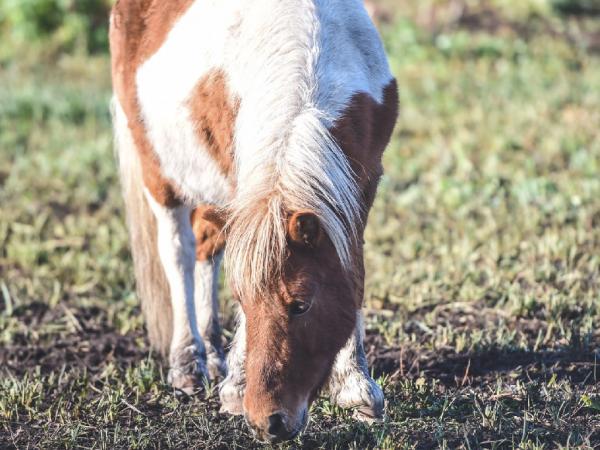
[483, 259]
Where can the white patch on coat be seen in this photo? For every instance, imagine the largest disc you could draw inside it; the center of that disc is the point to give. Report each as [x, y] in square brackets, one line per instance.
[350, 385]
[165, 83]
[231, 389]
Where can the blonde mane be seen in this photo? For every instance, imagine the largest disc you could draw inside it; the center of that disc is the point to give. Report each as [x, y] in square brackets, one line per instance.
[286, 159]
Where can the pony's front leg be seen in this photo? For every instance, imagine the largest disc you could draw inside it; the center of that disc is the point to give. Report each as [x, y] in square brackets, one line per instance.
[209, 253]
[350, 385]
[231, 390]
[207, 314]
[176, 247]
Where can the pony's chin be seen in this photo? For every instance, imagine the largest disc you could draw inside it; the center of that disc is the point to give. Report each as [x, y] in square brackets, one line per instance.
[301, 426]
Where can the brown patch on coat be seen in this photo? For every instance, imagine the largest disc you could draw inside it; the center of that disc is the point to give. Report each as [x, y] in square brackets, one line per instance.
[214, 114]
[210, 239]
[363, 132]
[137, 30]
[289, 358]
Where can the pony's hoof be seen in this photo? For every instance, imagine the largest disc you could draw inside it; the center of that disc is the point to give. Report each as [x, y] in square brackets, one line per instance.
[216, 367]
[184, 383]
[362, 394]
[231, 395]
[369, 415]
[188, 372]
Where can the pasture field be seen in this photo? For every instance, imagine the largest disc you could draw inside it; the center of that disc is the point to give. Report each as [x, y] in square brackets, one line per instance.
[483, 252]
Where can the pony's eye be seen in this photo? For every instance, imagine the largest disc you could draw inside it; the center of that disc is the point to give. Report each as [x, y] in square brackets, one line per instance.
[299, 307]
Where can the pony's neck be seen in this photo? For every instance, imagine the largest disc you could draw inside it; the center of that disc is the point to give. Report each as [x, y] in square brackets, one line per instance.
[286, 159]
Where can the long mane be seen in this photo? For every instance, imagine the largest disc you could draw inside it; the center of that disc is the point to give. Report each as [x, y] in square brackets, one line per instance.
[286, 159]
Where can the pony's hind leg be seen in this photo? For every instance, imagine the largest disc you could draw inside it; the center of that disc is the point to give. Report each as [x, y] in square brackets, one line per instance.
[176, 247]
[209, 252]
[350, 385]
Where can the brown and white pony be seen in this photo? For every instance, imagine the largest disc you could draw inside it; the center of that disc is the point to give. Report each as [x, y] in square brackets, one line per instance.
[260, 124]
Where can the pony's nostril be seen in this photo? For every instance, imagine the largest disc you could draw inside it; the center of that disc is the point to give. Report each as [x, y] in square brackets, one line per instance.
[276, 425]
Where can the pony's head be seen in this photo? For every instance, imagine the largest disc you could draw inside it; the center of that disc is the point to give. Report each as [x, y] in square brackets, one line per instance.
[295, 328]
[292, 257]
[296, 323]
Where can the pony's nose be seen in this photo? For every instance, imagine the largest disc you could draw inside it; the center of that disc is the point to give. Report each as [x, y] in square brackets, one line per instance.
[277, 426]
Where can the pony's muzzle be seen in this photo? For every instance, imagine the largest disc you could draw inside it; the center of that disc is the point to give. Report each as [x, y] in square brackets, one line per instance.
[278, 427]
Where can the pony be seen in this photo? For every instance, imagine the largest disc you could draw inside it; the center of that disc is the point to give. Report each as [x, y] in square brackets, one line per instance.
[251, 133]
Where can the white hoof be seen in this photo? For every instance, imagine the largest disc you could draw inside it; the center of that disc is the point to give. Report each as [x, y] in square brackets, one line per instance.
[216, 366]
[188, 370]
[361, 393]
[231, 394]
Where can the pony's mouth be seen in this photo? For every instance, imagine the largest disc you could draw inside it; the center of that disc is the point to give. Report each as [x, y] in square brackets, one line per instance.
[265, 437]
[302, 425]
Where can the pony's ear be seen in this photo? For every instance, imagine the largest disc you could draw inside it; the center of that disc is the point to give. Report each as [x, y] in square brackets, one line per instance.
[216, 216]
[304, 229]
